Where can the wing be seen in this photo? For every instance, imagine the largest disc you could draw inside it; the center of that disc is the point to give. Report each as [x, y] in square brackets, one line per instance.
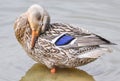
[90, 40]
[82, 37]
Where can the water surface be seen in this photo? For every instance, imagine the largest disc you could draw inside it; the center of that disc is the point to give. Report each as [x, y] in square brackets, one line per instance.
[99, 16]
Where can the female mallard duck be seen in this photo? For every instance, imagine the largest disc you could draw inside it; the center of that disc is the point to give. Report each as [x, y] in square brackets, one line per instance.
[57, 44]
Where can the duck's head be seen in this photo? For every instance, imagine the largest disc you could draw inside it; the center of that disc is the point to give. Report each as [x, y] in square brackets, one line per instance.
[39, 20]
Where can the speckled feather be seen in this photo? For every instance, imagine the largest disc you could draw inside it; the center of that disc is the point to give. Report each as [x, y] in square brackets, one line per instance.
[48, 53]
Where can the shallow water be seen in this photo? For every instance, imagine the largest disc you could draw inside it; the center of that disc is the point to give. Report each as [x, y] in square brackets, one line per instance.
[99, 16]
[39, 72]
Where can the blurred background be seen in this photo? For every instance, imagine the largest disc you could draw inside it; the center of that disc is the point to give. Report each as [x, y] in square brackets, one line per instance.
[99, 16]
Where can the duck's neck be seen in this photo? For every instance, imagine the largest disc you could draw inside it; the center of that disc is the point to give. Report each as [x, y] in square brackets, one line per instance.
[23, 35]
[23, 31]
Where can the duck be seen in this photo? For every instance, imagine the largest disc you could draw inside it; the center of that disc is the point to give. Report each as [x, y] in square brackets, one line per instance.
[57, 44]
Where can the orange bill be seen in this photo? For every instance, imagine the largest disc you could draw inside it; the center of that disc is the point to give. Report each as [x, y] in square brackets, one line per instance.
[34, 38]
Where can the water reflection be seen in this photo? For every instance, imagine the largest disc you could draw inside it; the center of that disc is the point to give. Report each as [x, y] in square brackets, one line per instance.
[41, 73]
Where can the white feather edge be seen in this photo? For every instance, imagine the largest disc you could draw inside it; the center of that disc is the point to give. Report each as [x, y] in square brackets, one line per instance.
[96, 53]
[55, 39]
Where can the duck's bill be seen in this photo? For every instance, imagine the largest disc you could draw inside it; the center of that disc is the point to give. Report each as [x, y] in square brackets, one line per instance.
[34, 38]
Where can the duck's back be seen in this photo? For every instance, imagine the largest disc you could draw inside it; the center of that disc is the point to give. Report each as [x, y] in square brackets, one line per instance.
[66, 46]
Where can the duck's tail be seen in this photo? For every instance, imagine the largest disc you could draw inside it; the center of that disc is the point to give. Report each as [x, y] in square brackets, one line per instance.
[95, 53]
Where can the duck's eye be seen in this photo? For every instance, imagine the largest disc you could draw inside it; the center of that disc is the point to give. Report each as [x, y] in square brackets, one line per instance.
[38, 18]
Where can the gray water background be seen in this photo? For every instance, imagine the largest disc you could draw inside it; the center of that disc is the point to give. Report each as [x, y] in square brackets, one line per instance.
[98, 16]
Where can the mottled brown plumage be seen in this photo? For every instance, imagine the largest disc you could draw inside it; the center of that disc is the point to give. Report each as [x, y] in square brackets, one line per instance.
[83, 49]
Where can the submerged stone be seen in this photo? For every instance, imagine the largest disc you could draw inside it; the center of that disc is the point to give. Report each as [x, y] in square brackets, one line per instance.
[40, 72]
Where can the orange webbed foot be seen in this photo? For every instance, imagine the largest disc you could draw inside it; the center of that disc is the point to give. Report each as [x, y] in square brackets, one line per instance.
[53, 70]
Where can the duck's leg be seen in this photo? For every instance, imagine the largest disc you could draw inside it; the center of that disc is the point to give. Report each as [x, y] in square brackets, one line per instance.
[53, 70]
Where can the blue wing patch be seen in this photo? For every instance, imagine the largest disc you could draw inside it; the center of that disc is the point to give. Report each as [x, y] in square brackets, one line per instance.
[64, 40]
